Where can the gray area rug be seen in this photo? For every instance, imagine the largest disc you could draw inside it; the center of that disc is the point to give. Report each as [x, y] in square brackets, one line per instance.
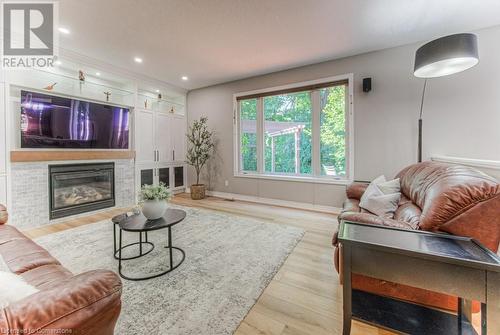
[229, 261]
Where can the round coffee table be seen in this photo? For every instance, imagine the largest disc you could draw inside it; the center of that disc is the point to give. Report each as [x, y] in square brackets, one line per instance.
[139, 224]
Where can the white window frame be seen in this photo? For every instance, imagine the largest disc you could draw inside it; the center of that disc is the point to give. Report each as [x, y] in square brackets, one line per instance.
[315, 177]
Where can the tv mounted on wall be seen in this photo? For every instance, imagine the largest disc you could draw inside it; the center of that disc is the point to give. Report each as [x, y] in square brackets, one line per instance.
[49, 121]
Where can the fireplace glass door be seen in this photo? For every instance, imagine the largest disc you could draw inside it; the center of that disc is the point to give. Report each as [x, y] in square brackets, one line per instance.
[81, 188]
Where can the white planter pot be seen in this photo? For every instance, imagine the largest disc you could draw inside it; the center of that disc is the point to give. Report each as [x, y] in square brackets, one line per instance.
[154, 209]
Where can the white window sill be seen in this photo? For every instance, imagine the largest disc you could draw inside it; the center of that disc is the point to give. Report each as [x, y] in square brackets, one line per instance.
[304, 179]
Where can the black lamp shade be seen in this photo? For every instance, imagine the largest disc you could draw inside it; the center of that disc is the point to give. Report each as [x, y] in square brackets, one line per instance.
[446, 55]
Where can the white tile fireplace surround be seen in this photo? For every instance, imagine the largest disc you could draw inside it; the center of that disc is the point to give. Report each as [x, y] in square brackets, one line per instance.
[30, 190]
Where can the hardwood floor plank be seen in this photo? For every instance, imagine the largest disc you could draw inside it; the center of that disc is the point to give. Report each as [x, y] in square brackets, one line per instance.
[257, 323]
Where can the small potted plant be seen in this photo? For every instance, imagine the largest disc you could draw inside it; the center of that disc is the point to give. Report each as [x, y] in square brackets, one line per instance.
[200, 146]
[153, 200]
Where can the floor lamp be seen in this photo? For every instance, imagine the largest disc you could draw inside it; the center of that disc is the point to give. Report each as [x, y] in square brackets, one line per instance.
[442, 57]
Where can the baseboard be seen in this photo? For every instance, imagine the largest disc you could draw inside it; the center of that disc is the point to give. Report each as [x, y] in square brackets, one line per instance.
[274, 202]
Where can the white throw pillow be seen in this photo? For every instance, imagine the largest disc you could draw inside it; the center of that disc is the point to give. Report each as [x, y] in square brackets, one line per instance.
[372, 189]
[390, 186]
[383, 205]
[13, 288]
[381, 197]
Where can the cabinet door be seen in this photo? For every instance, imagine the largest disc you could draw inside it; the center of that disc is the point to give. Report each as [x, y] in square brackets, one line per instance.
[164, 176]
[144, 136]
[178, 176]
[163, 137]
[147, 177]
[178, 138]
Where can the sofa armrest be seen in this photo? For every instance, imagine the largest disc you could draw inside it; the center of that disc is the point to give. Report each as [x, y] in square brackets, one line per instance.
[4, 215]
[355, 190]
[88, 303]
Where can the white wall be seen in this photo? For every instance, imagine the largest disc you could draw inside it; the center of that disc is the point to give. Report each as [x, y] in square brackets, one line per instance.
[461, 117]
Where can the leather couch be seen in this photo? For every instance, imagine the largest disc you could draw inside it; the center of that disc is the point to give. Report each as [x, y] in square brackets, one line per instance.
[88, 303]
[436, 197]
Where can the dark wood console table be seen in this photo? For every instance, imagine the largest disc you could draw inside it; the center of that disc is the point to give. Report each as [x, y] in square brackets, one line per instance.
[453, 265]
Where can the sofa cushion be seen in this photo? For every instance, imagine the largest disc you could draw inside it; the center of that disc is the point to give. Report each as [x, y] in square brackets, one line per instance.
[445, 191]
[46, 276]
[408, 212]
[20, 253]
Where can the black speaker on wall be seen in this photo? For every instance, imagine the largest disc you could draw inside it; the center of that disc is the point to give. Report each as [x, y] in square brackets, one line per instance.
[367, 84]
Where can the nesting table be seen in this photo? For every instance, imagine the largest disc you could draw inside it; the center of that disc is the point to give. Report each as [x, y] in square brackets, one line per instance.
[139, 224]
[453, 265]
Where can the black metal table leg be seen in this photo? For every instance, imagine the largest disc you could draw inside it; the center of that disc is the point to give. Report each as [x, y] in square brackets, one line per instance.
[114, 239]
[120, 254]
[170, 246]
[140, 244]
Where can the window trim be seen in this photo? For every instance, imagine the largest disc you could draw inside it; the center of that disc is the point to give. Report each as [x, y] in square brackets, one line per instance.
[260, 174]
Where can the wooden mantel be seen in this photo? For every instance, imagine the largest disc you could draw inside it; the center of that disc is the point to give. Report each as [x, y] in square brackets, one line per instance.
[70, 155]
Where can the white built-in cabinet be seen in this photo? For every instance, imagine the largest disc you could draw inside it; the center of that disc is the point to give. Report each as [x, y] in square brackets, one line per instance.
[160, 139]
[3, 149]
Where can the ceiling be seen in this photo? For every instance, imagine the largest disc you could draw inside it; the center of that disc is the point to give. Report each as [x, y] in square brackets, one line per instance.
[216, 41]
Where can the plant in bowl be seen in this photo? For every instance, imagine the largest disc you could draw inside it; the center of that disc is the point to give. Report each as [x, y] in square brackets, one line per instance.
[154, 200]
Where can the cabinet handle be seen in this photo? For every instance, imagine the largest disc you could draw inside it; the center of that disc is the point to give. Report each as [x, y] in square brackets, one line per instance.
[173, 155]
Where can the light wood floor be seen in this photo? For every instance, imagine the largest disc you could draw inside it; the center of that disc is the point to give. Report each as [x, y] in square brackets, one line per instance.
[304, 297]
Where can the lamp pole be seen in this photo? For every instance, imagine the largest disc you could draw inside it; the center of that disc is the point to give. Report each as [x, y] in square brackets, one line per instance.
[420, 123]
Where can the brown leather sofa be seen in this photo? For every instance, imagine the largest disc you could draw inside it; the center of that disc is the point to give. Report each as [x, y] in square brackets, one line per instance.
[88, 303]
[435, 197]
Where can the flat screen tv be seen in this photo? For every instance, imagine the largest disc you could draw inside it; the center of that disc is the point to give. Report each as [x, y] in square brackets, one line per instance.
[49, 121]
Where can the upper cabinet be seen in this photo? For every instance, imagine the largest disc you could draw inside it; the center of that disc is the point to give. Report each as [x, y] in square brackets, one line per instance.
[164, 137]
[145, 143]
[178, 130]
[159, 137]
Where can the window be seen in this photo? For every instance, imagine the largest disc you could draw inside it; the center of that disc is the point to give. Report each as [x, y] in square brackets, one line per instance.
[248, 135]
[333, 131]
[300, 131]
[287, 133]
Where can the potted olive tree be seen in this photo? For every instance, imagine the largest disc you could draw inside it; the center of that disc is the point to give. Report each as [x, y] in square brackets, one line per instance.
[200, 147]
[153, 200]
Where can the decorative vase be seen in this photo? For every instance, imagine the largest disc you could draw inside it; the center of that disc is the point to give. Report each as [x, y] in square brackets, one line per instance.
[154, 209]
[198, 192]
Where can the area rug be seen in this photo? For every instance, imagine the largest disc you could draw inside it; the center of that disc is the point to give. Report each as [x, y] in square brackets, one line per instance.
[229, 261]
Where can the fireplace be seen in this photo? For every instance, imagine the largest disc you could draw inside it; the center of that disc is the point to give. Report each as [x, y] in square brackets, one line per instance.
[80, 188]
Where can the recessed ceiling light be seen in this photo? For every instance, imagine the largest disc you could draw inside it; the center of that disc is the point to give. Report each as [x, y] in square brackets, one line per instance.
[184, 78]
[58, 62]
[138, 60]
[157, 91]
[98, 73]
[64, 30]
